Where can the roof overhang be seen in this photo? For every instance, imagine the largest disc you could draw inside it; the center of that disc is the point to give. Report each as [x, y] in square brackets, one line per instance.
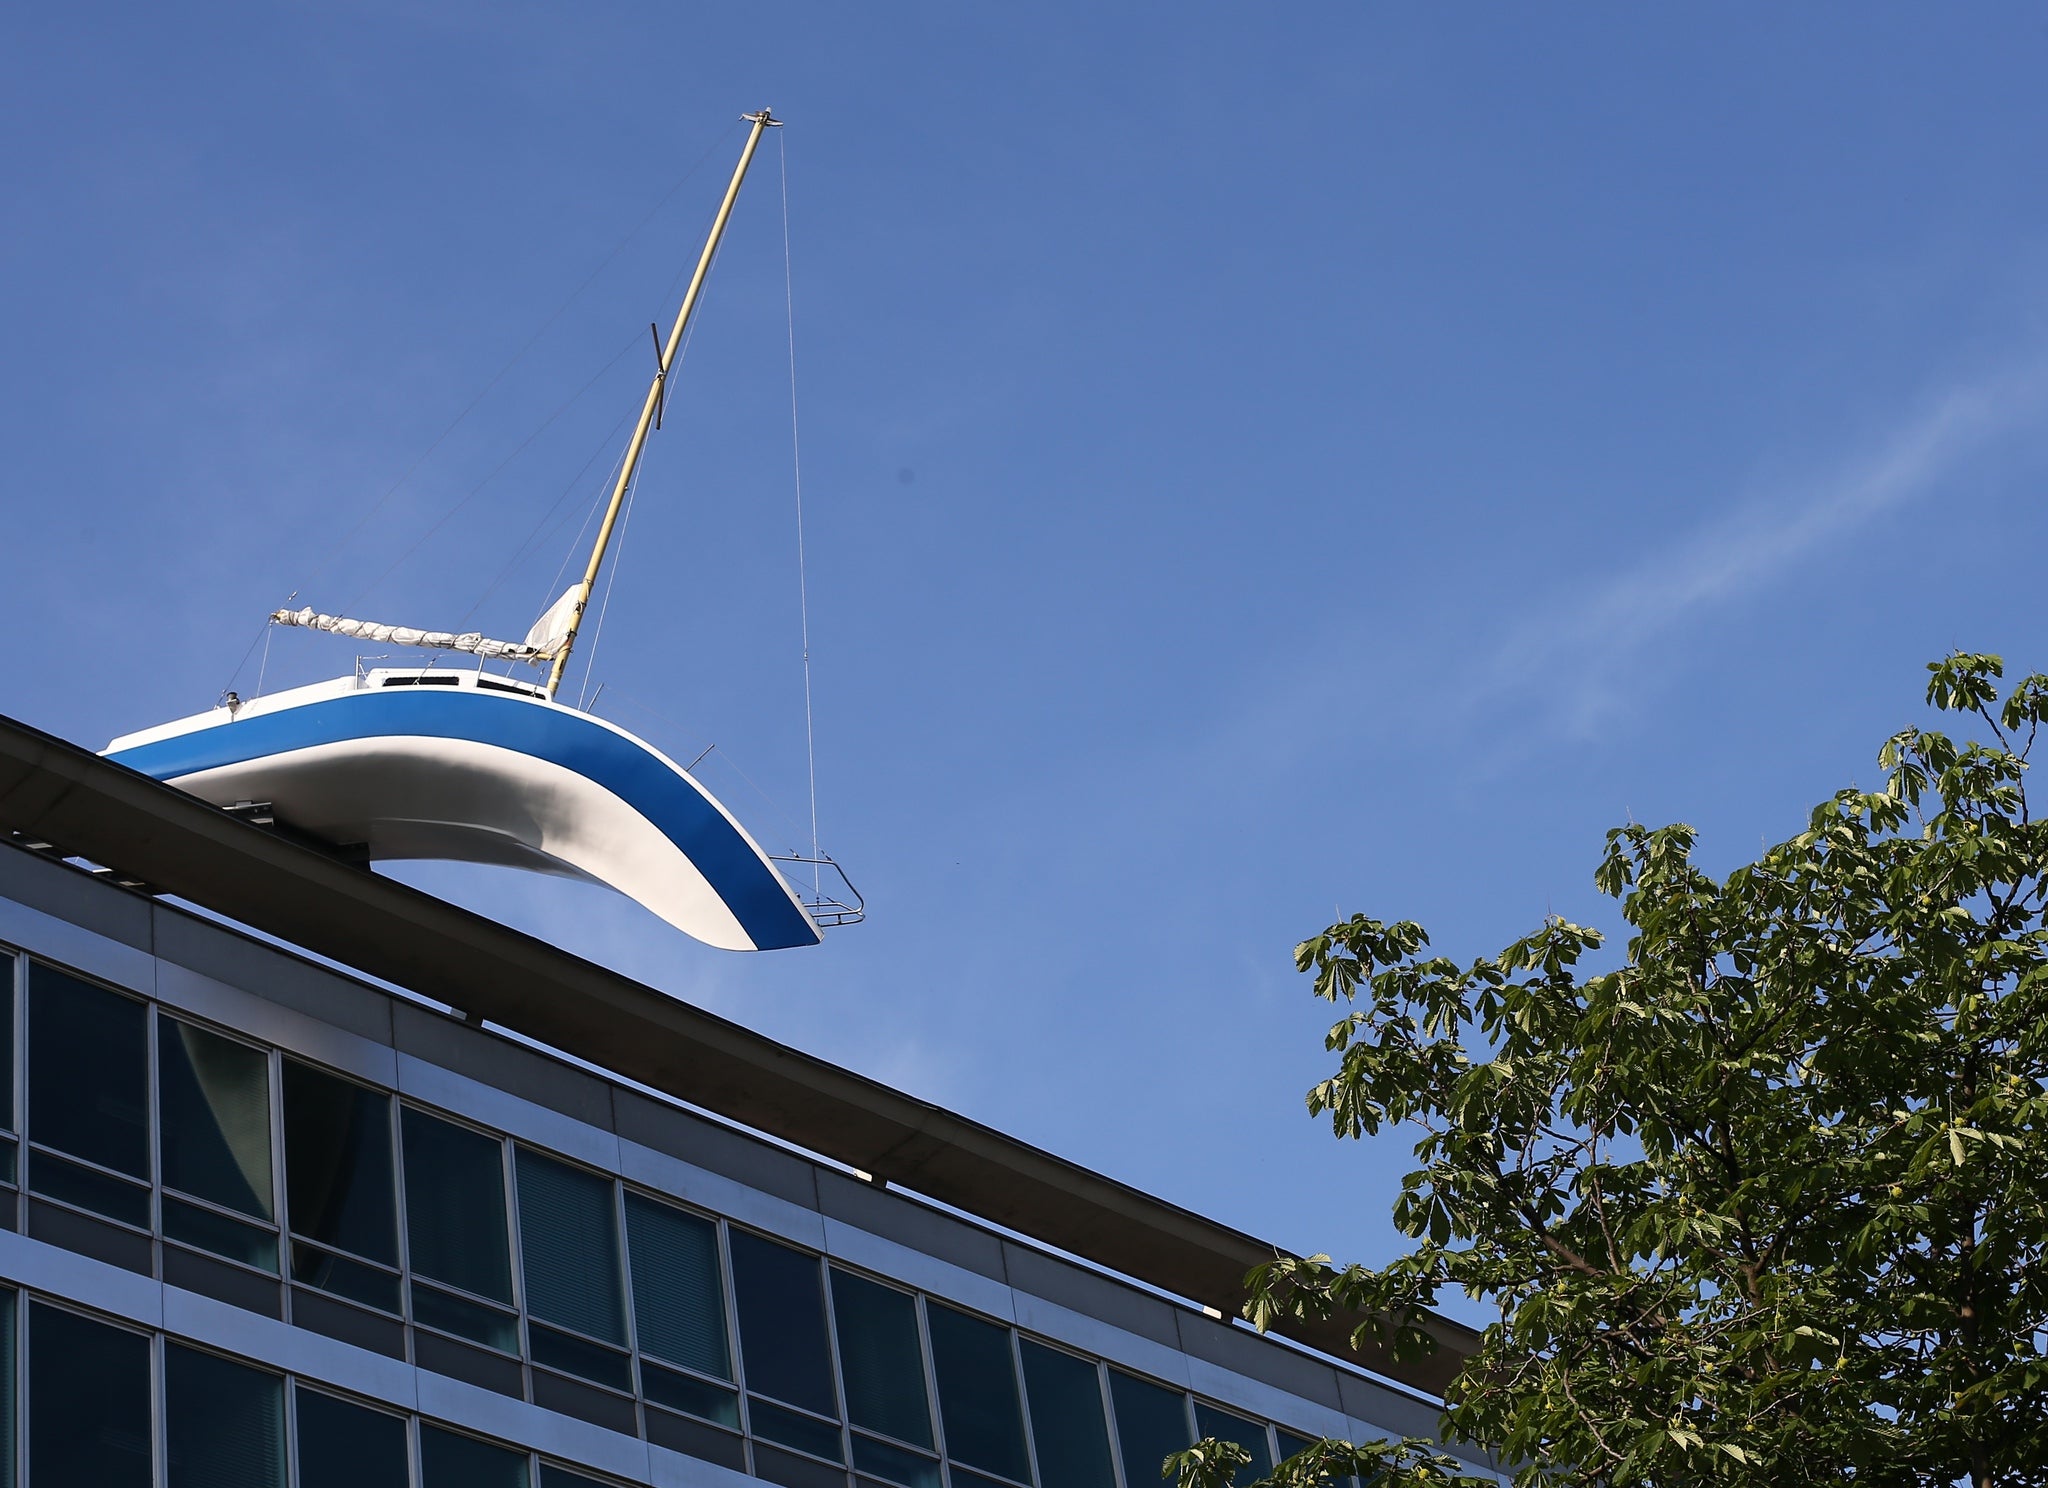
[91, 808]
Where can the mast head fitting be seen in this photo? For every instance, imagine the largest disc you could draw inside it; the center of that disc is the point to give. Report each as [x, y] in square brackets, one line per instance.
[766, 119]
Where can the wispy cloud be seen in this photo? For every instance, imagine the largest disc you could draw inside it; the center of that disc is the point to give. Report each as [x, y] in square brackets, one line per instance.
[1592, 644]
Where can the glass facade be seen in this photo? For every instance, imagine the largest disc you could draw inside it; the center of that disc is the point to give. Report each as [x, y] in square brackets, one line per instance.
[253, 1176]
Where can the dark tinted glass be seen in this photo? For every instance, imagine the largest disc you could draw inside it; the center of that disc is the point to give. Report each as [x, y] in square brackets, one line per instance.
[678, 1302]
[1067, 1428]
[978, 1392]
[349, 1446]
[213, 1096]
[560, 1477]
[9, 1443]
[1213, 1421]
[569, 1241]
[455, 1206]
[337, 1163]
[1151, 1425]
[879, 1459]
[88, 1402]
[1290, 1443]
[7, 1059]
[780, 1297]
[223, 1422]
[880, 1362]
[88, 1072]
[451, 1461]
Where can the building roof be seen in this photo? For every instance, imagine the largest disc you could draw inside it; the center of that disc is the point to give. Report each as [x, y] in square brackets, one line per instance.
[155, 836]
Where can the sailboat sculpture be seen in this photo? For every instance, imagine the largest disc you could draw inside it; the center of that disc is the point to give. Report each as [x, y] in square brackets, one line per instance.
[455, 765]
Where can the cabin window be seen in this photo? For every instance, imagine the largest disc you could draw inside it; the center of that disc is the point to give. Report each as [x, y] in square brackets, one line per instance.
[455, 1229]
[213, 1103]
[338, 1186]
[342, 1445]
[89, 1091]
[977, 1375]
[89, 1416]
[1067, 1428]
[569, 1243]
[678, 1298]
[224, 1422]
[780, 1296]
[451, 1461]
[1214, 1421]
[881, 1362]
[1151, 1424]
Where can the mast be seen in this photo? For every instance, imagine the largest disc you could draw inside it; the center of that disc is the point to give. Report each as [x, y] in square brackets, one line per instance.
[650, 411]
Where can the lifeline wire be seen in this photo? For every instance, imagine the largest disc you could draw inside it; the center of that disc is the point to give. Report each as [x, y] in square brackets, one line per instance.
[796, 460]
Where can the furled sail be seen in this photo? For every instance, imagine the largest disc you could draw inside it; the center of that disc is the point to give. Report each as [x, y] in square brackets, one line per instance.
[539, 647]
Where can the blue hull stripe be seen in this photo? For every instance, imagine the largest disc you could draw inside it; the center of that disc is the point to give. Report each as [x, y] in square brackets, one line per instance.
[649, 784]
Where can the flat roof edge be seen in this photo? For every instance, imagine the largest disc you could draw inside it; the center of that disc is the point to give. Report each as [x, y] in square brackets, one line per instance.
[57, 792]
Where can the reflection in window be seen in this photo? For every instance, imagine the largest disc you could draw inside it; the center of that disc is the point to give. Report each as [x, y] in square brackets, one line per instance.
[1067, 1429]
[880, 1362]
[337, 1160]
[349, 1446]
[214, 1095]
[88, 1402]
[223, 1422]
[1151, 1425]
[977, 1378]
[455, 1206]
[451, 1461]
[569, 1243]
[89, 1071]
[1214, 1422]
[678, 1302]
[780, 1297]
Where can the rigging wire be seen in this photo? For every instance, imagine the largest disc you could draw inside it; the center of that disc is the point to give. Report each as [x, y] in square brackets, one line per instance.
[611, 583]
[796, 461]
[517, 356]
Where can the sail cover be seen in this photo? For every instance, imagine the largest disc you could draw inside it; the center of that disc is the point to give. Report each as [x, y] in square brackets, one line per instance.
[540, 645]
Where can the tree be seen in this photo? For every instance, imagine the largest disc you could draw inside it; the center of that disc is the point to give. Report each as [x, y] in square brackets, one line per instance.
[1766, 1203]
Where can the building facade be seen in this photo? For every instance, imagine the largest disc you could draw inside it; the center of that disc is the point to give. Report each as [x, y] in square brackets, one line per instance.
[264, 1223]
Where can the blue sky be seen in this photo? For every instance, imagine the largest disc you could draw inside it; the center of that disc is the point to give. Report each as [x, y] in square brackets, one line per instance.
[1261, 464]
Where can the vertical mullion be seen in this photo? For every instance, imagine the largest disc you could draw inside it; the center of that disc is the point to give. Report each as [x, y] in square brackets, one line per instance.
[735, 1347]
[1024, 1404]
[1116, 1441]
[931, 1383]
[832, 1362]
[623, 1245]
[508, 1163]
[394, 1130]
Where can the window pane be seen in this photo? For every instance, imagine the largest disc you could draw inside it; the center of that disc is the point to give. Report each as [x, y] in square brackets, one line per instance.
[337, 1163]
[560, 1477]
[7, 964]
[88, 1071]
[569, 1241]
[1151, 1425]
[878, 1459]
[455, 1205]
[978, 1392]
[781, 1301]
[190, 1225]
[805, 1433]
[880, 1362]
[451, 1461]
[1067, 1427]
[349, 1446]
[9, 1443]
[223, 1422]
[433, 1308]
[1214, 1421]
[1290, 1443]
[678, 1302]
[214, 1098]
[685, 1392]
[88, 1402]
